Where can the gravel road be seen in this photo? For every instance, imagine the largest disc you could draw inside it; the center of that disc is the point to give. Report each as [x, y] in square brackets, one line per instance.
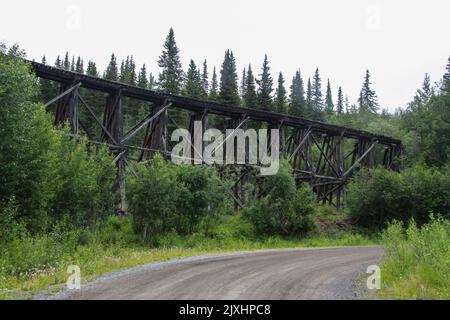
[320, 273]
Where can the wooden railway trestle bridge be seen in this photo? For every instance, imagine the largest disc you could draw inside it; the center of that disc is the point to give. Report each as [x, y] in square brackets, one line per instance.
[323, 155]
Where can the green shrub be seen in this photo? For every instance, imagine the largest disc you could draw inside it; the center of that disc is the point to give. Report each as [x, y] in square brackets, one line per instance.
[379, 196]
[284, 209]
[169, 198]
[83, 183]
[418, 260]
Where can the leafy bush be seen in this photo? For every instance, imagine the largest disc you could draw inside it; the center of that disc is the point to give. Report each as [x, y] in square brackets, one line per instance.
[83, 183]
[27, 135]
[170, 198]
[418, 260]
[285, 209]
[379, 196]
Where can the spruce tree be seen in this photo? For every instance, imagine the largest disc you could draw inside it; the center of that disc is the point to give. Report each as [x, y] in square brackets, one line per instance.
[171, 75]
[265, 88]
[66, 64]
[297, 105]
[213, 92]
[243, 83]
[193, 85]
[228, 92]
[151, 82]
[72, 66]
[250, 99]
[329, 105]
[111, 70]
[367, 98]
[142, 78]
[59, 63]
[340, 102]
[79, 65]
[91, 69]
[280, 95]
[309, 109]
[205, 79]
[317, 98]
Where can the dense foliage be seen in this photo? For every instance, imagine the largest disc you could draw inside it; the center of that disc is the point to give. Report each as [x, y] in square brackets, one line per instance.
[418, 260]
[380, 196]
[168, 198]
[284, 209]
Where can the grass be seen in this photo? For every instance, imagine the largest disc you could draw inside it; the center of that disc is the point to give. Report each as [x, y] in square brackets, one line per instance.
[418, 261]
[98, 256]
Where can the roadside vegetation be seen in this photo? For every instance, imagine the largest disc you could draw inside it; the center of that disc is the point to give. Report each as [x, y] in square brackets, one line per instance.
[418, 260]
[58, 200]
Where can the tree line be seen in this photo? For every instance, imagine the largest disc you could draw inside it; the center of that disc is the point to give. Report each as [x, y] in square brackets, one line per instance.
[257, 90]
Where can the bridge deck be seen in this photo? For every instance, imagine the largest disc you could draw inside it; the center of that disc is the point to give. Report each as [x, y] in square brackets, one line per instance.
[69, 77]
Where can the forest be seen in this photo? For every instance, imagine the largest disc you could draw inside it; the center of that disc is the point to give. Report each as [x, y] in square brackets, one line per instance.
[58, 199]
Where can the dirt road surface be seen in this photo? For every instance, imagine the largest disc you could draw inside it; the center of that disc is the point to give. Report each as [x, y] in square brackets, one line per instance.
[322, 273]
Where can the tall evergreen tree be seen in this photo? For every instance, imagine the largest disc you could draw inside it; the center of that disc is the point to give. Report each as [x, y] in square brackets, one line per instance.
[111, 70]
[213, 92]
[205, 81]
[265, 88]
[151, 82]
[297, 105]
[367, 98]
[128, 71]
[228, 93]
[66, 63]
[59, 63]
[329, 105]
[79, 67]
[193, 84]
[142, 78]
[91, 69]
[171, 76]
[250, 98]
[280, 95]
[317, 98]
[72, 65]
[340, 102]
[243, 83]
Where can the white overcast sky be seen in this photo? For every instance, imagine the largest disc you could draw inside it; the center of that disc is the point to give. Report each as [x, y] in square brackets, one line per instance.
[397, 40]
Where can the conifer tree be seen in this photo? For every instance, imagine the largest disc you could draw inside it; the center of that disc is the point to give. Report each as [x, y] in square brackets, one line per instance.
[72, 65]
[228, 92]
[91, 69]
[367, 98]
[213, 92]
[297, 105]
[193, 84]
[66, 63]
[243, 83]
[79, 65]
[205, 81]
[111, 71]
[59, 63]
[171, 75]
[317, 98]
[340, 102]
[250, 99]
[142, 78]
[265, 88]
[151, 82]
[280, 95]
[329, 105]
